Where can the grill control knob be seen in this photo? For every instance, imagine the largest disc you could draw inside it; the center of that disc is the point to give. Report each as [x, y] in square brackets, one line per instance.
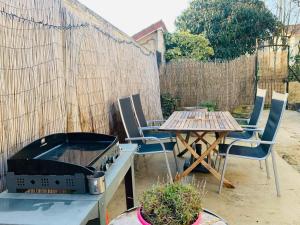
[103, 167]
[110, 159]
[106, 166]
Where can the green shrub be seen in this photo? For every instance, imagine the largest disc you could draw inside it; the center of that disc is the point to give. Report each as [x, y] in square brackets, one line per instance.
[186, 45]
[168, 104]
[211, 106]
[171, 204]
[294, 70]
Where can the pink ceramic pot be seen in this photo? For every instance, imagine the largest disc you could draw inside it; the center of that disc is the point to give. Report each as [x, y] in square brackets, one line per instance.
[144, 222]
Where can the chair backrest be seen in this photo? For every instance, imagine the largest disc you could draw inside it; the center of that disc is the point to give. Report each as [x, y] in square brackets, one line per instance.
[278, 105]
[138, 110]
[128, 117]
[258, 106]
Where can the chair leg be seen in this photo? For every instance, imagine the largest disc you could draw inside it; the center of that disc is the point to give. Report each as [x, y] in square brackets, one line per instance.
[275, 173]
[220, 162]
[176, 162]
[260, 165]
[223, 174]
[217, 160]
[178, 149]
[267, 168]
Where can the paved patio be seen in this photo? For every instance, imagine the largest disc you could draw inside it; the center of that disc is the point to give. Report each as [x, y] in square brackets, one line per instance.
[254, 200]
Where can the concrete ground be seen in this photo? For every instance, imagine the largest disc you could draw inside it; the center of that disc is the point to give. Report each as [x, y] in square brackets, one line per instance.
[254, 199]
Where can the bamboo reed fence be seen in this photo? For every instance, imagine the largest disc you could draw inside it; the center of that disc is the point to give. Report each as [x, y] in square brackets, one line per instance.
[62, 68]
[228, 83]
[272, 70]
[294, 92]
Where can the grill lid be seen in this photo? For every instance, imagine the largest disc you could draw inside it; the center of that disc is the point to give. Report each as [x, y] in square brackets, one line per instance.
[61, 154]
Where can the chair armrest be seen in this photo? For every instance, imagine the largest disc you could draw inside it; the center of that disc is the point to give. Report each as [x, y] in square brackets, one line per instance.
[248, 141]
[248, 126]
[149, 128]
[162, 145]
[152, 122]
[155, 121]
[252, 141]
[253, 129]
[144, 139]
[242, 119]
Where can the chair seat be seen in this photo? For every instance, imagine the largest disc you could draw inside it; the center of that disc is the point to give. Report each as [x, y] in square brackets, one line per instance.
[240, 135]
[154, 148]
[237, 150]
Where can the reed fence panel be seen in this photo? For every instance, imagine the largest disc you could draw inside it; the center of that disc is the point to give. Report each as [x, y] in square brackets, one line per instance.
[272, 70]
[62, 68]
[229, 83]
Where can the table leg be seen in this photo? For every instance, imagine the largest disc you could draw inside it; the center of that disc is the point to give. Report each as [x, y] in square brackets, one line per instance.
[201, 137]
[187, 145]
[200, 159]
[187, 139]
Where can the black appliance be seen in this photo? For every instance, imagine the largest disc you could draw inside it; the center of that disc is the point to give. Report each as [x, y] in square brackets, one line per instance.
[61, 162]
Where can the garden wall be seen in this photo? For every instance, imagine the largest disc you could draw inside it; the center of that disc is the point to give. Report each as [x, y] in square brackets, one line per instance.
[62, 68]
[229, 84]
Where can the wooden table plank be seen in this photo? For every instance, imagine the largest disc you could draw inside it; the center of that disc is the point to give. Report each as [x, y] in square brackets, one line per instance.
[201, 121]
[234, 122]
[227, 121]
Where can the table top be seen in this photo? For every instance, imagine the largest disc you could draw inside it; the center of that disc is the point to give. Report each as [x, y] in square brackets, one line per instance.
[201, 121]
[130, 218]
[63, 209]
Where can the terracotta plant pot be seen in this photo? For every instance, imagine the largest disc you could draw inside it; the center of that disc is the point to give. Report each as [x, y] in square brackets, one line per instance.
[144, 222]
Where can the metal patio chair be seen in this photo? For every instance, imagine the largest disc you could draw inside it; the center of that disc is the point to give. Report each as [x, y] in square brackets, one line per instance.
[145, 126]
[264, 146]
[250, 129]
[138, 110]
[146, 145]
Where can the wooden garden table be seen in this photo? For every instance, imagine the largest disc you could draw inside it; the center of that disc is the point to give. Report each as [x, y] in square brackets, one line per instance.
[200, 124]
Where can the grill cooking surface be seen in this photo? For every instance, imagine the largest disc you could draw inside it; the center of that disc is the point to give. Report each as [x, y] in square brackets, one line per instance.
[81, 154]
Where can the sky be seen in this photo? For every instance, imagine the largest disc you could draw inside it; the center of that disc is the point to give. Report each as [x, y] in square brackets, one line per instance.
[131, 16]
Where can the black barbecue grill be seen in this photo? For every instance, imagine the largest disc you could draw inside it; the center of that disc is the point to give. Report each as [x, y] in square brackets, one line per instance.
[61, 162]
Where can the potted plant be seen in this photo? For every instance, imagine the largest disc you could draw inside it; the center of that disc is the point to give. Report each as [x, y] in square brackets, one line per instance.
[171, 204]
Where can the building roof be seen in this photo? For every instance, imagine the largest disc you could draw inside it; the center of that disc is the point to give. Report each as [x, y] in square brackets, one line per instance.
[152, 28]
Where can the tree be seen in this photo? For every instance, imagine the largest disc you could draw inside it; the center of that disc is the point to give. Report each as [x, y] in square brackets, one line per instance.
[185, 44]
[288, 13]
[232, 26]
